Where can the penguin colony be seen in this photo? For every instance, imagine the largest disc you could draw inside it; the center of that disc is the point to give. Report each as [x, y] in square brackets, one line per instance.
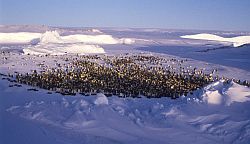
[124, 76]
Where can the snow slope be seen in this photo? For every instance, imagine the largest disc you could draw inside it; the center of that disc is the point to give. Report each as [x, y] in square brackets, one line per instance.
[236, 41]
[101, 119]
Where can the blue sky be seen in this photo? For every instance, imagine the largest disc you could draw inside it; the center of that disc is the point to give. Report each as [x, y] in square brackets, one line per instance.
[175, 14]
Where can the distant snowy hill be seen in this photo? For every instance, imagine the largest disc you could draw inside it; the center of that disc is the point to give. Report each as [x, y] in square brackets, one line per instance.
[236, 41]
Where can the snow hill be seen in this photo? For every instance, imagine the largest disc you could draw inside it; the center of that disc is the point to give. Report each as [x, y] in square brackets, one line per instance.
[236, 41]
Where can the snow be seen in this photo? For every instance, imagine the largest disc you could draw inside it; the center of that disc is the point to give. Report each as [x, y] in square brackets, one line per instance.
[54, 37]
[217, 113]
[236, 41]
[19, 37]
[225, 94]
[213, 97]
[101, 119]
[237, 93]
[50, 37]
[91, 39]
[127, 41]
[95, 31]
[101, 99]
[52, 43]
[61, 49]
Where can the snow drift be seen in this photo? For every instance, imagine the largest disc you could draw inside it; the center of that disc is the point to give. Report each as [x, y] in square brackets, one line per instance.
[225, 94]
[236, 41]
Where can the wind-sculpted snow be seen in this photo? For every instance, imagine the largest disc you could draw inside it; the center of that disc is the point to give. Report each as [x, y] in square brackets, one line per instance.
[236, 41]
[227, 94]
[190, 119]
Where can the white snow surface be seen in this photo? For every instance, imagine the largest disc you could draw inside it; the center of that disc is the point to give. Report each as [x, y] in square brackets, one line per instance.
[19, 37]
[98, 119]
[101, 99]
[61, 49]
[236, 41]
[218, 93]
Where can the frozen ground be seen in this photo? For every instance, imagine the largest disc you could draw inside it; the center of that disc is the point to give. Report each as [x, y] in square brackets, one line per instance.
[217, 113]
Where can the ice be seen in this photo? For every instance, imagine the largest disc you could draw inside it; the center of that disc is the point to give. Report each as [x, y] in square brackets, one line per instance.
[61, 49]
[19, 37]
[51, 42]
[55, 37]
[236, 41]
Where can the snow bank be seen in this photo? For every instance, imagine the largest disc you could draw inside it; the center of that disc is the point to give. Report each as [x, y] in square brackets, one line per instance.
[236, 41]
[20, 37]
[101, 99]
[226, 94]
